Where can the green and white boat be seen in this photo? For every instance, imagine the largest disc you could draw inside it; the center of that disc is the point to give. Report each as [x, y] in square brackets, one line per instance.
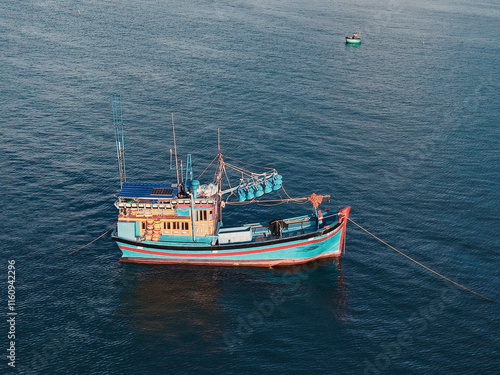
[355, 39]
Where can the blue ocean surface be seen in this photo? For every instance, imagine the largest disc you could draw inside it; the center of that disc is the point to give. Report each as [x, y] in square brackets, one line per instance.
[403, 128]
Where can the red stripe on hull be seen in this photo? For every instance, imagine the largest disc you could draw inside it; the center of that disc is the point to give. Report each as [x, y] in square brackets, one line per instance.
[187, 258]
[345, 211]
[233, 263]
[247, 252]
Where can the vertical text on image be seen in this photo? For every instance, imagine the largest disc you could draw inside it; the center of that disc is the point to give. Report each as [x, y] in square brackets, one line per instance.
[11, 312]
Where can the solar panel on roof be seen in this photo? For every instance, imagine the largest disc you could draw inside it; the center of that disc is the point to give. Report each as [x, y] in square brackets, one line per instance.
[147, 190]
[162, 191]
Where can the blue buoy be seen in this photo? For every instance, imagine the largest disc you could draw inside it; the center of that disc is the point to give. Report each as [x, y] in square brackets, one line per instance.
[269, 187]
[277, 181]
[259, 192]
[250, 194]
[242, 195]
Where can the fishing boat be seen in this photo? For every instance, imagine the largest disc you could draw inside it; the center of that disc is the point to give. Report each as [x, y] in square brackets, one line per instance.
[181, 222]
[354, 39]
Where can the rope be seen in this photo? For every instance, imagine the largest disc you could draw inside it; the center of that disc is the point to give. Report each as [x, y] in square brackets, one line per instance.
[294, 200]
[208, 167]
[420, 264]
[91, 242]
[238, 169]
[285, 192]
[253, 165]
[227, 177]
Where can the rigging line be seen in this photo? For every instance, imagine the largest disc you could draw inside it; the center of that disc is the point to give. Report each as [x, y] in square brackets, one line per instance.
[420, 264]
[239, 169]
[270, 205]
[91, 242]
[253, 165]
[245, 172]
[293, 200]
[285, 192]
[229, 196]
[207, 167]
[227, 178]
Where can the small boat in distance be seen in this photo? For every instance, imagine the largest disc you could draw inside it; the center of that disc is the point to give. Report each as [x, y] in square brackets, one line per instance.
[181, 222]
[354, 39]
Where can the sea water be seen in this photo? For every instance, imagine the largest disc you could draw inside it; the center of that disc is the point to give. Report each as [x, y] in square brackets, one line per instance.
[403, 128]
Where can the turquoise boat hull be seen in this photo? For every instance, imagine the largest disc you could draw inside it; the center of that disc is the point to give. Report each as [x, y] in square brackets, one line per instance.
[288, 249]
[352, 41]
[181, 223]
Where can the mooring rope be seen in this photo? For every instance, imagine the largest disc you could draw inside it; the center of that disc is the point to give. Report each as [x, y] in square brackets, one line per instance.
[420, 264]
[91, 242]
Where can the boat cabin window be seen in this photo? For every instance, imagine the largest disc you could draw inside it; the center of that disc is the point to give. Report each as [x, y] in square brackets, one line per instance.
[176, 225]
[204, 215]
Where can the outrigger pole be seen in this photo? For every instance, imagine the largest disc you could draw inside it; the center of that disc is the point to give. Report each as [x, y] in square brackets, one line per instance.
[116, 105]
[175, 151]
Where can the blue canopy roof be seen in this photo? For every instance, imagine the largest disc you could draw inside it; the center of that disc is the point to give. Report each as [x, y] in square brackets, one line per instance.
[148, 190]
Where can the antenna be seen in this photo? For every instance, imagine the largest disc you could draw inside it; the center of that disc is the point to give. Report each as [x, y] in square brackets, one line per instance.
[116, 106]
[175, 151]
[218, 139]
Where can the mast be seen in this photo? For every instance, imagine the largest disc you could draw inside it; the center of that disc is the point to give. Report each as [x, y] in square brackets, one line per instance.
[220, 165]
[218, 139]
[218, 178]
[175, 151]
[116, 106]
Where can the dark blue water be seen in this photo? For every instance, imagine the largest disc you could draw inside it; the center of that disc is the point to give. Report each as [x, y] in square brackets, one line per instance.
[403, 128]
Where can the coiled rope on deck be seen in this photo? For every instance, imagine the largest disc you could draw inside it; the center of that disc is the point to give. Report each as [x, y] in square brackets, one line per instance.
[91, 242]
[420, 264]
